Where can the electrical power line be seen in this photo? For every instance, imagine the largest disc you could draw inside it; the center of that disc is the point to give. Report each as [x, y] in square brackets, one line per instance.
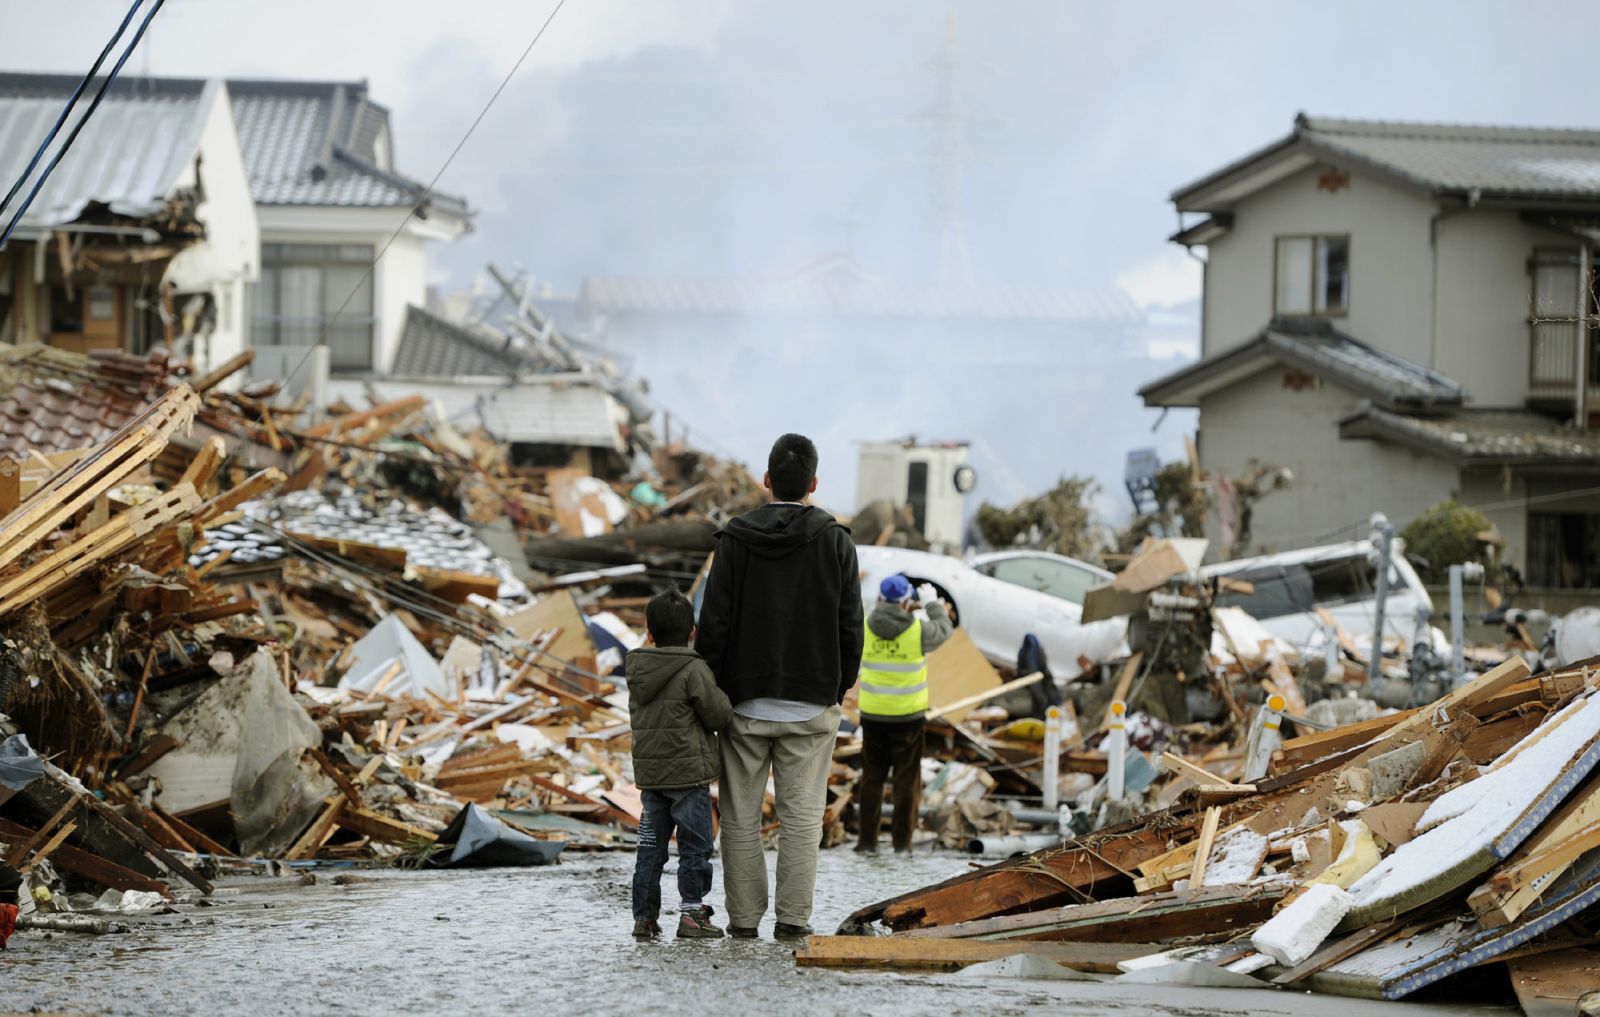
[77, 128]
[66, 111]
[428, 190]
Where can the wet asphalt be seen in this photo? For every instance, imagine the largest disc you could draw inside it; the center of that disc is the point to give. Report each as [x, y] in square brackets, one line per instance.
[552, 940]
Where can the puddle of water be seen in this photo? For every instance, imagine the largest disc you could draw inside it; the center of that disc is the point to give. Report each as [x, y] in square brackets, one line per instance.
[509, 940]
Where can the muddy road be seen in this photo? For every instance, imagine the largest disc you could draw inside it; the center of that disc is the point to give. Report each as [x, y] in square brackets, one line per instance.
[552, 940]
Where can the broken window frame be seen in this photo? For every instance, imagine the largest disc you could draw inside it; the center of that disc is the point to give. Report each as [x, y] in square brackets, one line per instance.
[1317, 303]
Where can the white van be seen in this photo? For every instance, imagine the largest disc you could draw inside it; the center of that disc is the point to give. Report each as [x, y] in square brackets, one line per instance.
[1340, 578]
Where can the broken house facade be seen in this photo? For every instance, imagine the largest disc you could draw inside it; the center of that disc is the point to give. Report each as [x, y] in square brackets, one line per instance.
[144, 236]
[1398, 314]
[266, 200]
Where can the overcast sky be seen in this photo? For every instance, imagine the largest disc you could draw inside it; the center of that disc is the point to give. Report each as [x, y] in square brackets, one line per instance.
[717, 137]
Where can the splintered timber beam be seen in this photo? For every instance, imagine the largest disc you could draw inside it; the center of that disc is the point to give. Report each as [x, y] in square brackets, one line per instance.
[88, 865]
[136, 443]
[1212, 912]
[1065, 875]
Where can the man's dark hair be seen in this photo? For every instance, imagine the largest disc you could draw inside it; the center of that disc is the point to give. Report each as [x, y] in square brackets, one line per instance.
[670, 618]
[791, 467]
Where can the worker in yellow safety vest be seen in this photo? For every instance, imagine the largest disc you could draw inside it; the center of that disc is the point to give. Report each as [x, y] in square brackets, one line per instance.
[893, 697]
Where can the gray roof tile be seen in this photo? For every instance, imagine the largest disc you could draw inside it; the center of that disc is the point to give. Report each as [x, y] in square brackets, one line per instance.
[1520, 160]
[431, 347]
[1481, 437]
[1316, 347]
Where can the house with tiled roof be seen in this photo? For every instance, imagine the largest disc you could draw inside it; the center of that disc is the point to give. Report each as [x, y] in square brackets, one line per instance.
[329, 195]
[1399, 313]
[145, 234]
[290, 189]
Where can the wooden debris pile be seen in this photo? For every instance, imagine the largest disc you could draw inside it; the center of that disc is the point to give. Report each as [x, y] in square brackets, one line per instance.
[1373, 860]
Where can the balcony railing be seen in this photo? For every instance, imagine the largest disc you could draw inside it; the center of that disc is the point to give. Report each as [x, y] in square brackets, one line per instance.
[1553, 360]
[349, 339]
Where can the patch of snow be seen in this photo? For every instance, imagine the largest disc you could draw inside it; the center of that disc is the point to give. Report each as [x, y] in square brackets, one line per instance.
[1472, 820]
[1235, 858]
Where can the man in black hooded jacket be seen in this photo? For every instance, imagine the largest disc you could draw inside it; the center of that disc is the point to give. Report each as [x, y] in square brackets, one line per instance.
[780, 625]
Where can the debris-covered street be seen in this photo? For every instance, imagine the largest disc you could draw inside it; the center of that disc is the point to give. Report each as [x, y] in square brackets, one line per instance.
[856, 509]
[513, 939]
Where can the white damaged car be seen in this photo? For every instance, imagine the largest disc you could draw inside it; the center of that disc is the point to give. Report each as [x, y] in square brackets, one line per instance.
[1004, 595]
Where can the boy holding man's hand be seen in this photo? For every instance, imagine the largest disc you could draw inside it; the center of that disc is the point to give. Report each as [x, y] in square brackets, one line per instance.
[675, 709]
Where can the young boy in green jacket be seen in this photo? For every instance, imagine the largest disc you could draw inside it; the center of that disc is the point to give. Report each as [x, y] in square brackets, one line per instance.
[675, 709]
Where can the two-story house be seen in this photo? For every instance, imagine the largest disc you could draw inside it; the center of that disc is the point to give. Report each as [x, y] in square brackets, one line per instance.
[329, 199]
[287, 193]
[1399, 313]
[144, 235]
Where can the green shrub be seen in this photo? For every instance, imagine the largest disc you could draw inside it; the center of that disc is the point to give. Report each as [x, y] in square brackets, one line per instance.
[1446, 534]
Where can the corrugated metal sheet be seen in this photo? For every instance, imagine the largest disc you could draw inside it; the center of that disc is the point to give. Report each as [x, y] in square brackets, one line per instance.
[130, 156]
[549, 409]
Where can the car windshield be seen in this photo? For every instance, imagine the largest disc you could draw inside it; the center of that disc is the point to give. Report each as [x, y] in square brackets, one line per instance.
[1057, 578]
[1293, 589]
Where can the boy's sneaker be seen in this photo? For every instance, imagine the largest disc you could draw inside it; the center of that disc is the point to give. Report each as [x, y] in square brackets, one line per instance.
[696, 924]
[646, 928]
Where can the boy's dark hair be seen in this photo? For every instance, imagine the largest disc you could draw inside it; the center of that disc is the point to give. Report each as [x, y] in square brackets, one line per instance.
[791, 467]
[670, 618]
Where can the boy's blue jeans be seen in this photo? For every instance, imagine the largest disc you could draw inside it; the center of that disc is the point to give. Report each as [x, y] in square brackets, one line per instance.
[688, 810]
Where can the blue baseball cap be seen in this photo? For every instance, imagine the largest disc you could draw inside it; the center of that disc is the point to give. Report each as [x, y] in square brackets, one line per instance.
[896, 589]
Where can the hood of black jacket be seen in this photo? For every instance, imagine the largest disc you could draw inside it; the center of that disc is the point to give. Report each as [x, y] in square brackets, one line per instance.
[773, 531]
[650, 668]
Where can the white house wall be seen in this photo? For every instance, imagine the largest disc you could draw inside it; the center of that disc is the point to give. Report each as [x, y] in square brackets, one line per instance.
[400, 278]
[1390, 264]
[230, 256]
[1338, 484]
[1483, 302]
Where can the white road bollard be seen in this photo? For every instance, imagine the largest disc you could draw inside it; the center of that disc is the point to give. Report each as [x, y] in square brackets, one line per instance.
[1052, 757]
[1264, 738]
[1116, 751]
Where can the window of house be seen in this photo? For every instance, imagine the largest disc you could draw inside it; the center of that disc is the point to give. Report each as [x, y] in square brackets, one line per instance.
[1563, 549]
[1553, 317]
[298, 301]
[66, 312]
[1312, 276]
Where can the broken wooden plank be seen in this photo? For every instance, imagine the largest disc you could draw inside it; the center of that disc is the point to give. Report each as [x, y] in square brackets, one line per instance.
[1208, 912]
[319, 831]
[89, 865]
[966, 702]
[1202, 851]
[199, 838]
[44, 850]
[366, 823]
[908, 953]
[338, 776]
[1198, 775]
[22, 849]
